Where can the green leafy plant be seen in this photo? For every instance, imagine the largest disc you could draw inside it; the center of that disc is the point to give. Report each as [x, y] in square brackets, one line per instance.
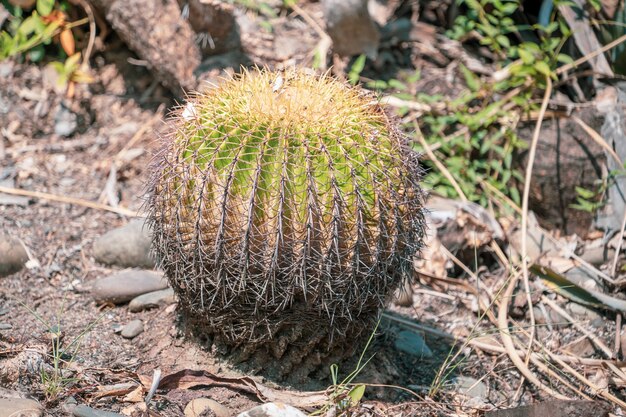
[474, 134]
[356, 69]
[70, 73]
[344, 394]
[29, 34]
[590, 200]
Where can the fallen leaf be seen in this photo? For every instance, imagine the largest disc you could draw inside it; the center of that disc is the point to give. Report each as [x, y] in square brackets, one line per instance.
[188, 378]
[570, 290]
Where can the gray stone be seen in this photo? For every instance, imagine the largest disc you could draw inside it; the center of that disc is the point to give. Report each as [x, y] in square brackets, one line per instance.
[126, 246]
[13, 255]
[596, 252]
[9, 199]
[126, 285]
[20, 407]
[5, 326]
[65, 121]
[471, 387]
[198, 407]
[581, 312]
[413, 344]
[152, 300]
[553, 318]
[132, 329]
[582, 278]
[84, 411]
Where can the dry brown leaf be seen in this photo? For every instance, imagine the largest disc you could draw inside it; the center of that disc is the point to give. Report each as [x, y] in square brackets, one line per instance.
[188, 378]
[135, 396]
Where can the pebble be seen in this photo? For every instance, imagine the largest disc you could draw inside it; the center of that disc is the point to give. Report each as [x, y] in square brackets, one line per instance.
[471, 387]
[69, 405]
[273, 410]
[581, 312]
[126, 246]
[126, 285]
[553, 318]
[65, 121]
[152, 300]
[12, 200]
[198, 406]
[582, 278]
[22, 407]
[132, 329]
[5, 326]
[596, 253]
[13, 255]
[413, 344]
[84, 411]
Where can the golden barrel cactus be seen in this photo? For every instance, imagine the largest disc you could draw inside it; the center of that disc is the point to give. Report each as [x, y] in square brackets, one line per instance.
[286, 209]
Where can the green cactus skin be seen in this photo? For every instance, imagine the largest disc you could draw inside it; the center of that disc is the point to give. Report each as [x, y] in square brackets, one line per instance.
[286, 209]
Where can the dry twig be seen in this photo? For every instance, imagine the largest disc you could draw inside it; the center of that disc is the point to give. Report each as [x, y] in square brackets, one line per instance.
[69, 200]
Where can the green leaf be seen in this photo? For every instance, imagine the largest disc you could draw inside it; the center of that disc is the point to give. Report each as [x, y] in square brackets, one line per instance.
[398, 85]
[564, 59]
[356, 394]
[30, 25]
[355, 70]
[44, 7]
[584, 193]
[526, 56]
[71, 63]
[543, 68]
[503, 41]
[509, 8]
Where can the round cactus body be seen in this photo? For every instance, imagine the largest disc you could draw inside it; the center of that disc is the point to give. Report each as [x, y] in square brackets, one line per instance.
[286, 209]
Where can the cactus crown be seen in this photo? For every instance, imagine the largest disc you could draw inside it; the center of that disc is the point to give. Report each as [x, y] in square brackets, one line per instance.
[284, 199]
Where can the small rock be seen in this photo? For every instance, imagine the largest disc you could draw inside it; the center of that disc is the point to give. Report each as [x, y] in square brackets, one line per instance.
[5, 326]
[582, 278]
[126, 246]
[596, 252]
[20, 407]
[198, 406]
[152, 300]
[553, 318]
[275, 409]
[9, 199]
[84, 411]
[126, 285]
[132, 329]
[581, 312]
[65, 121]
[13, 255]
[69, 405]
[413, 344]
[471, 387]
